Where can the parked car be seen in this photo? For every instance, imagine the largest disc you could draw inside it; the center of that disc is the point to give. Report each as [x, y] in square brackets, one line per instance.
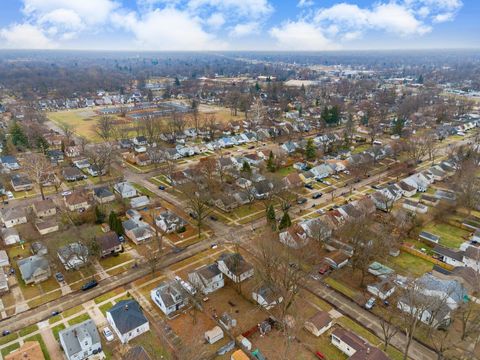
[55, 313]
[370, 303]
[66, 193]
[213, 246]
[213, 218]
[317, 195]
[319, 355]
[108, 334]
[324, 268]
[9, 195]
[301, 201]
[121, 238]
[309, 186]
[59, 277]
[89, 285]
[336, 177]
[5, 332]
[328, 183]
[161, 187]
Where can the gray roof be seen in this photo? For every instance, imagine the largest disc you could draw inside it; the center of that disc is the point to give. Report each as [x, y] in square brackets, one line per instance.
[171, 292]
[29, 265]
[102, 192]
[13, 213]
[452, 288]
[127, 315]
[73, 335]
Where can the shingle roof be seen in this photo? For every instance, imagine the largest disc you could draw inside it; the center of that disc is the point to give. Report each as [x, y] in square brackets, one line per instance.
[127, 315]
[73, 335]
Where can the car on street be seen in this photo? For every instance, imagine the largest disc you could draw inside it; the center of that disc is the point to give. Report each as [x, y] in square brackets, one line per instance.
[59, 277]
[301, 201]
[89, 285]
[213, 218]
[108, 334]
[370, 303]
[317, 195]
[5, 332]
[9, 195]
[309, 186]
[55, 313]
[66, 193]
[161, 187]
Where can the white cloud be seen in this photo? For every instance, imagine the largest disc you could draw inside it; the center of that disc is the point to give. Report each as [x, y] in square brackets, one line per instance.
[244, 29]
[254, 9]
[216, 20]
[168, 29]
[300, 35]
[305, 3]
[25, 36]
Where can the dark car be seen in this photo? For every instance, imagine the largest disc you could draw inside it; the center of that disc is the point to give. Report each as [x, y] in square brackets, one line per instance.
[309, 186]
[301, 201]
[55, 313]
[5, 332]
[161, 187]
[317, 196]
[89, 285]
[121, 239]
[59, 277]
[213, 218]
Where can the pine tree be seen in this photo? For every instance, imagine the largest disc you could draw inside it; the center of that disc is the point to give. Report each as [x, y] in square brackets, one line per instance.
[310, 151]
[99, 215]
[257, 87]
[270, 214]
[18, 135]
[246, 168]
[285, 222]
[271, 163]
[177, 81]
[43, 145]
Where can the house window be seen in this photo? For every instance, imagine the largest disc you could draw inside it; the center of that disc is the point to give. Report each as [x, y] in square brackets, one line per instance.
[335, 339]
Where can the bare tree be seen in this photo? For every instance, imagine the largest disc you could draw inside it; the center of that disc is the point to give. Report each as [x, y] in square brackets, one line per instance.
[100, 157]
[68, 131]
[39, 169]
[105, 127]
[197, 204]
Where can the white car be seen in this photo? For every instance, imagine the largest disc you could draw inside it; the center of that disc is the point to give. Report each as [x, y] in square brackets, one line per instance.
[9, 195]
[108, 334]
[66, 193]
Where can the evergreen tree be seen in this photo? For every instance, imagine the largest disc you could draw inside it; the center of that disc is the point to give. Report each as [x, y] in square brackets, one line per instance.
[285, 222]
[18, 135]
[310, 151]
[99, 215]
[420, 79]
[43, 145]
[271, 219]
[177, 81]
[334, 115]
[112, 219]
[326, 115]
[246, 168]
[398, 126]
[257, 87]
[271, 163]
[302, 89]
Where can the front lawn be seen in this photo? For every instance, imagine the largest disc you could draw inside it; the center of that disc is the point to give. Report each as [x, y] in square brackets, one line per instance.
[39, 338]
[112, 261]
[57, 329]
[79, 319]
[8, 349]
[340, 287]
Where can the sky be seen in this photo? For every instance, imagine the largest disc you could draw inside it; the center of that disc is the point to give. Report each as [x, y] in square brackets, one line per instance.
[198, 25]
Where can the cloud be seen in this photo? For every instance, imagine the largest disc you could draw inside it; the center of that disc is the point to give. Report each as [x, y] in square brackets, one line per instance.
[240, 30]
[300, 35]
[253, 9]
[216, 20]
[168, 29]
[305, 3]
[25, 36]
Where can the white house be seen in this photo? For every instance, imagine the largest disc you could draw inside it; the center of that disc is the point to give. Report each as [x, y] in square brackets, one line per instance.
[207, 278]
[10, 236]
[351, 344]
[169, 222]
[234, 266]
[139, 202]
[127, 320]
[125, 189]
[80, 341]
[382, 289]
[170, 296]
[13, 216]
[415, 207]
[295, 237]
[319, 323]
[266, 297]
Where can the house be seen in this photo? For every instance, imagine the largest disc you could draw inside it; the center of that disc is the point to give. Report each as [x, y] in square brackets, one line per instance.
[80, 341]
[30, 350]
[295, 237]
[234, 266]
[137, 230]
[44, 208]
[4, 258]
[127, 320]
[337, 259]
[170, 296]
[38, 248]
[169, 222]
[262, 189]
[382, 202]
[408, 190]
[429, 200]
[382, 289]
[73, 255]
[3, 282]
[471, 258]
[140, 140]
[239, 355]
[449, 256]
[76, 201]
[45, 227]
[10, 236]
[207, 278]
[82, 164]
[13, 216]
[380, 270]
[109, 244]
[56, 156]
[34, 269]
[321, 171]
[21, 182]
[95, 170]
[319, 323]
[266, 296]
[9, 162]
[73, 151]
[71, 173]
[427, 309]
[103, 195]
[133, 214]
[354, 346]
[415, 206]
[125, 189]
[139, 202]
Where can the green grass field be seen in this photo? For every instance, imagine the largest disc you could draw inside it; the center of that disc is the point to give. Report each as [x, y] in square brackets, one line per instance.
[408, 264]
[450, 236]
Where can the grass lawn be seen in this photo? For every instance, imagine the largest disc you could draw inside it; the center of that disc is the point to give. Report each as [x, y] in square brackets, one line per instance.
[28, 330]
[45, 298]
[105, 297]
[39, 338]
[409, 264]
[344, 289]
[112, 261]
[83, 121]
[72, 311]
[54, 319]
[57, 329]
[285, 171]
[450, 236]
[7, 350]
[79, 319]
[144, 190]
[105, 307]
[152, 345]
[8, 338]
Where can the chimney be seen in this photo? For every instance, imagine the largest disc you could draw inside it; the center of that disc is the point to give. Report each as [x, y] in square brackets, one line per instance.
[126, 307]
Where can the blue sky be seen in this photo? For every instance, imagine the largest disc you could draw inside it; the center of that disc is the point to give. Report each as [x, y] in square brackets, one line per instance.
[239, 24]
